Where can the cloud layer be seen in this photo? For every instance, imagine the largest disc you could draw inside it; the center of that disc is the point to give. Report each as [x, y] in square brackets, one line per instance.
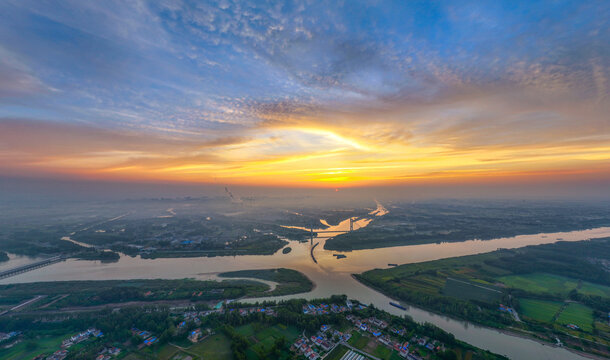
[304, 92]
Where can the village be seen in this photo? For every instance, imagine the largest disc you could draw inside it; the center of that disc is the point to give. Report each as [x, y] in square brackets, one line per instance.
[77, 339]
[357, 332]
[318, 346]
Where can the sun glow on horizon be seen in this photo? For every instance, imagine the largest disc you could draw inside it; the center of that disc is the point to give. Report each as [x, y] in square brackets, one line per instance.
[319, 157]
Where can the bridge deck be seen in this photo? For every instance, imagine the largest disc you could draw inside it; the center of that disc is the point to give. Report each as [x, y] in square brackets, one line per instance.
[32, 266]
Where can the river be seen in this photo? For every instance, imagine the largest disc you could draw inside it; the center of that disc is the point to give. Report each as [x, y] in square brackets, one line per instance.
[331, 276]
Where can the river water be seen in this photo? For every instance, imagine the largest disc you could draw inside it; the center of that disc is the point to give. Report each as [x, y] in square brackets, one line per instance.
[331, 276]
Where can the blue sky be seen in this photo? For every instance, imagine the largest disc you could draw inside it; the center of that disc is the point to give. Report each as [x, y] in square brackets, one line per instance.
[188, 82]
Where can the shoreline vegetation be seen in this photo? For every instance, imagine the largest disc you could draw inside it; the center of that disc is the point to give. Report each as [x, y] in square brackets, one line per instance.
[508, 331]
[476, 288]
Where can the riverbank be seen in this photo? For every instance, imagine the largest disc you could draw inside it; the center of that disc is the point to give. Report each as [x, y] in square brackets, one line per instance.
[506, 277]
[514, 333]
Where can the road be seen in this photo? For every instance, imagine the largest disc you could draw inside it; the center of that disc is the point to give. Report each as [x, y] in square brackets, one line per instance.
[23, 304]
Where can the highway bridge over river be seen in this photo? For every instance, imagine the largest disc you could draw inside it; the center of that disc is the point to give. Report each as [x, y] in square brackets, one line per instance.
[32, 266]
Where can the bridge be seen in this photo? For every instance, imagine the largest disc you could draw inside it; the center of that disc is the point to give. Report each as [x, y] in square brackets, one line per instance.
[32, 266]
[311, 232]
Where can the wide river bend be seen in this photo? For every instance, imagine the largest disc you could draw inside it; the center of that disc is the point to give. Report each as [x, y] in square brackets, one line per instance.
[331, 276]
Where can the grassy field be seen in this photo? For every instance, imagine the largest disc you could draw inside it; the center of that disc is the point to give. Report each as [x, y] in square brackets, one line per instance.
[577, 314]
[289, 281]
[133, 356]
[539, 310]
[183, 356]
[337, 353]
[468, 291]
[588, 288]
[215, 347]
[167, 352]
[554, 284]
[29, 349]
[358, 340]
[466, 355]
[263, 336]
[382, 351]
[541, 283]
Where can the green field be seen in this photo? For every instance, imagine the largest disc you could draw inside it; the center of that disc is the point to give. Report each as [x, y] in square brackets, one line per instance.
[166, 352]
[183, 356]
[263, 337]
[468, 291]
[588, 288]
[539, 310]
[554, 284]
[541, 283]
[133, 356]
[577, 314]
[358, 341]
[215, 347]
[29, 349]
[383, 352]
[337, 353]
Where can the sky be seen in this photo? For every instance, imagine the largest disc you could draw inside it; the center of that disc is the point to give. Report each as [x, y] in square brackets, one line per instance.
[306, 94]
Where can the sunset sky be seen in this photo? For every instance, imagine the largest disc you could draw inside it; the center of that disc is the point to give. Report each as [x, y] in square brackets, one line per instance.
[330, 93]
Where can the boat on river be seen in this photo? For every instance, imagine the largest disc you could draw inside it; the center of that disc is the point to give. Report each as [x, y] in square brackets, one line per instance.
[398, 306]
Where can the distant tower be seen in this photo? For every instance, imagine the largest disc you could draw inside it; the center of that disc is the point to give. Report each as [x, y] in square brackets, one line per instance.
[311, 236]
[351, 224]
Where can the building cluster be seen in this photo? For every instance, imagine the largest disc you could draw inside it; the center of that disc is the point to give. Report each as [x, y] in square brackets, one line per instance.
[191, 316]
[406, 349]
[322, 342]
[195, 316]
[195, 335]
[262, 310]
[148, 337]
[505, 308]
[372, 324]
[9, 335]
[58, 355]
[108, 353]
[73, 340]
[323, 309]
[205, 292]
